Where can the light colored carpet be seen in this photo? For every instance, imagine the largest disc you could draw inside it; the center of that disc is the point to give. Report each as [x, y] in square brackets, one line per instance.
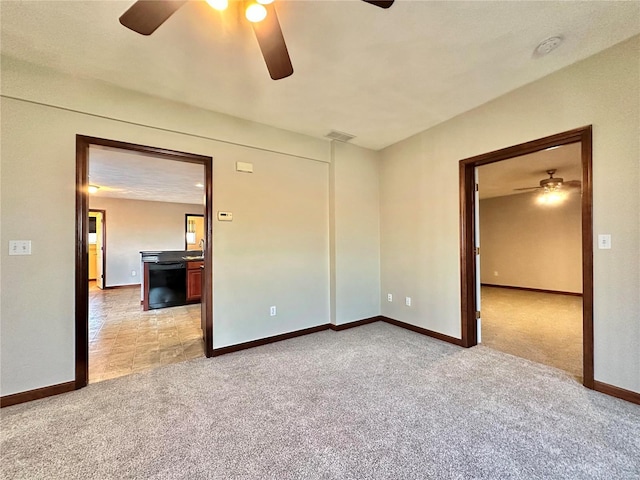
[373, 402]
[543, 327]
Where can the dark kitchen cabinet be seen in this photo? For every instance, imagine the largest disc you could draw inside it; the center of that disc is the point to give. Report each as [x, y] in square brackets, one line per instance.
[194, 281]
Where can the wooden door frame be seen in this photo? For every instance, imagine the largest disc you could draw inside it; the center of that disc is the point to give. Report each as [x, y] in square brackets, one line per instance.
[467, 166]
[81, 261]
[104, 244]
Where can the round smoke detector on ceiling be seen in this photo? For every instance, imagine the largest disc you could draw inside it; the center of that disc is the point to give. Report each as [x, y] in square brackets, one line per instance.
[547, 46]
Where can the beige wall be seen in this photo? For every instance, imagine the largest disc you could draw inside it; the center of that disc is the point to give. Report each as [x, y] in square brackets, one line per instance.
[525, 244]
[420, 199]
[258, 258]
[275, 252]
[135, 225]
[355, 226]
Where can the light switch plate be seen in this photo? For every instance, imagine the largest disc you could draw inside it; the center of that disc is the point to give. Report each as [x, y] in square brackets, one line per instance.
[225, 216]
[19, 247]
[604, 242]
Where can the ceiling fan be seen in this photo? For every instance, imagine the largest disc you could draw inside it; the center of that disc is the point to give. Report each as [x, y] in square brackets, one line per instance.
[145, 16]
[552, 183]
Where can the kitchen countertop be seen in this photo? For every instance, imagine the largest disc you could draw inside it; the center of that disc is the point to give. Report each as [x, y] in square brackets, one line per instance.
[155, 256]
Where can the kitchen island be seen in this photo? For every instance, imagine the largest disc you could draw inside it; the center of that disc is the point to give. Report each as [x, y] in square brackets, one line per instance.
[170, 278]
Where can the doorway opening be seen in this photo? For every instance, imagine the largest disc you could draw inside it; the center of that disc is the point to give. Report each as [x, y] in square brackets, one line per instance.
[131, 237]
[470, 252]
[530, 244]
[97, 253]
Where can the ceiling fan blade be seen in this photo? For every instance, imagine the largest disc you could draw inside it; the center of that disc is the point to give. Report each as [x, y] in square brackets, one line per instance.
[573, 183]
[527, 188]
[380, 3]
[271, 42]
[145, 16]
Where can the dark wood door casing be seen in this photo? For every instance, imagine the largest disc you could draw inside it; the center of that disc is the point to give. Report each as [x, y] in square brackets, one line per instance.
[467, 167]
[81, 251]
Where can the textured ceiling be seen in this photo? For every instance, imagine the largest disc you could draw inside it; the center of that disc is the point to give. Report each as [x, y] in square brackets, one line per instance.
[501, 178]
[381, 75]
[126, 174]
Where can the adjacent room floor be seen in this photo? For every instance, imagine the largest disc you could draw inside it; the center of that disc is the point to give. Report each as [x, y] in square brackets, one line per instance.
[542, 327]
[124, 339]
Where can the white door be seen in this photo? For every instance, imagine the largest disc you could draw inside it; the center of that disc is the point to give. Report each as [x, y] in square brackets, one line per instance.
[476, 206]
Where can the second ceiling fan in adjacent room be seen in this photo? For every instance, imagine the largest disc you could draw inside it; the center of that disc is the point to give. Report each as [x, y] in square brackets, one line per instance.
[145, 16]
[552, 183]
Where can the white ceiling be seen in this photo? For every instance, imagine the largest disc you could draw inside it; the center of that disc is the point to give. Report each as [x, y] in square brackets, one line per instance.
[131, 175]
[381, 75]
[501, 178]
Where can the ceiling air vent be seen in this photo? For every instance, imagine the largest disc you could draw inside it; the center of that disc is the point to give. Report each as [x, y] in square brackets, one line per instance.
[339, 136]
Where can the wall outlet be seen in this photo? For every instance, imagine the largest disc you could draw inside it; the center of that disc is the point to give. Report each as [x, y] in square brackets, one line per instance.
[133, 273]
[273, 311]
[19, 247]
[389, 297]
[407, 301]
[604, 241]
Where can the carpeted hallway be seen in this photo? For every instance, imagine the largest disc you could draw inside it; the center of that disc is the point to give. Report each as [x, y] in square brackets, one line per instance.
[373, 402]
[543, 327]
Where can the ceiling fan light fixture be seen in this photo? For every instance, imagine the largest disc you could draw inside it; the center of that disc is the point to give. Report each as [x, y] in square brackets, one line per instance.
[146, 16]
[255, 12]
[550, 198]
[218, 4]
[93, 188]
[552, 183]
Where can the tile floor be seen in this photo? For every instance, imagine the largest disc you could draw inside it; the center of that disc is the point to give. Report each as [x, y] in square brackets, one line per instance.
[124, 339]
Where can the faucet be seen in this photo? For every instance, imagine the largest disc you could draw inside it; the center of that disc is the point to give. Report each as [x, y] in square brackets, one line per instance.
[201, 245]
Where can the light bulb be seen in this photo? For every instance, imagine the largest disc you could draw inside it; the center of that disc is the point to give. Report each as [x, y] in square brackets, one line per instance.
[93, 188]
[218, 4]
[255, 12]
[554, 197]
